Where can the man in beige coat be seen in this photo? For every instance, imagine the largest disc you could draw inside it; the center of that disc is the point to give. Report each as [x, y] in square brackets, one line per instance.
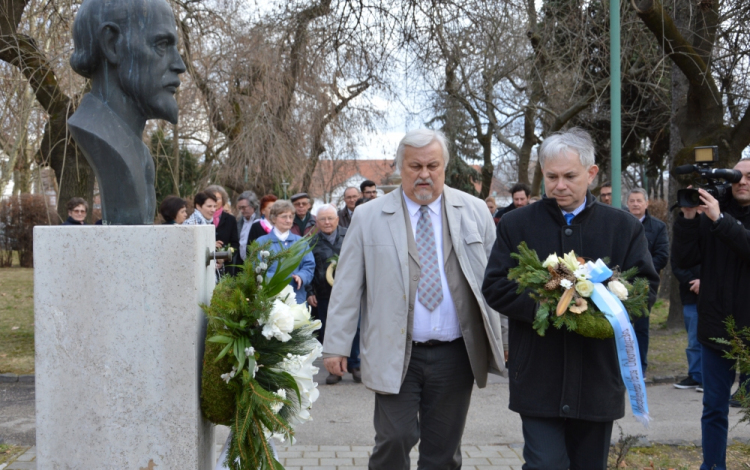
[413, 263]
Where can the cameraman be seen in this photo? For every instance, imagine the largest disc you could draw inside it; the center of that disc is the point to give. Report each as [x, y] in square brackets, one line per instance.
[717, 237]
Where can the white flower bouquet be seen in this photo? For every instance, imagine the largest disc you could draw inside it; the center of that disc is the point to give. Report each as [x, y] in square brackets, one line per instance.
[562, 288]
[258, 362]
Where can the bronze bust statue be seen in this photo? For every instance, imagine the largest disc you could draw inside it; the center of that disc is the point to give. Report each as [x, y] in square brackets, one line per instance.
[128, 48]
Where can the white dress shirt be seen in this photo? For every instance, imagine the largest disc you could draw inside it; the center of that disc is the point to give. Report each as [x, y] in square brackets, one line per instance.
[577, 210]
[442, 323]
[243, 237]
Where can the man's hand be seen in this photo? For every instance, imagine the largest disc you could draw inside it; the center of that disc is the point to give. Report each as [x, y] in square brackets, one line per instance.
[312, 301]
[335, 365]
[695, 285]
[298, 280]
[219, 244]
[710, 205]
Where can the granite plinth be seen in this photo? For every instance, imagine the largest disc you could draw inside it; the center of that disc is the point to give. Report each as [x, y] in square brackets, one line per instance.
[119, 346]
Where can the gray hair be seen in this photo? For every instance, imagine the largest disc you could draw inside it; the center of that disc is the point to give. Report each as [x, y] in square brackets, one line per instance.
[573, 140]
[251, 199]
[637, 191]
[279, 207]
[419, 138]
[215, 188]
[326, 207]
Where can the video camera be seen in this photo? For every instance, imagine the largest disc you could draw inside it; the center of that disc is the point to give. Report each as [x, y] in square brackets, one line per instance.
[705, 157]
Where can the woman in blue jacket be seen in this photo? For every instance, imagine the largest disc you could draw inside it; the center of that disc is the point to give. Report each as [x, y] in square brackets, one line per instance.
[282, 218]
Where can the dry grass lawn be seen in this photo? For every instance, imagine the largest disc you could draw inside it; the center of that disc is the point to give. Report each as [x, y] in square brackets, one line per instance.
[17, 320]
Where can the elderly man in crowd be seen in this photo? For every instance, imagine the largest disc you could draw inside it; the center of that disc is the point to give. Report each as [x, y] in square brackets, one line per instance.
[304, 221]
[566, 387]
[351, 194]
[658, 246]
[326, 244]
[413, 263]
[247, 205]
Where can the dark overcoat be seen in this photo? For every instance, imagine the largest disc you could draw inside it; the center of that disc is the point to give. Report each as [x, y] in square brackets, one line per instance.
[323, 250]
[563, 374]
[658, 241]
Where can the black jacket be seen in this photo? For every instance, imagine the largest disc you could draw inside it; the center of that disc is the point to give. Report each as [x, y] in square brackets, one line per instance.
[226, 231]
[563, 374]
[322, 251]
[501, 212]
[658, 241]
[72, 221]
[687, 297]
[723, 251]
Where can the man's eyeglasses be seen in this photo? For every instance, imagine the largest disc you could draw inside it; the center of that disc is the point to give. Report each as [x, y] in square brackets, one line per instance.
[78, 211]
[326, 219]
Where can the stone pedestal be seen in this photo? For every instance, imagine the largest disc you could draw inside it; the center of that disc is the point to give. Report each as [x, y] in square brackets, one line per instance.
[119, 347]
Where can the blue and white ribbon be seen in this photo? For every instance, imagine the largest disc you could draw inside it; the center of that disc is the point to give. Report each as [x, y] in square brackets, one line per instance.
[627, 345]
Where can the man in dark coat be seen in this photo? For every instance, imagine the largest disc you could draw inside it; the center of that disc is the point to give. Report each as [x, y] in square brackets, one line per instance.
[77, 209]
[520, 193]
[566, 387]
[304, 221]
[718, 239]
[326, 244]
[658, 246]
[351, 194]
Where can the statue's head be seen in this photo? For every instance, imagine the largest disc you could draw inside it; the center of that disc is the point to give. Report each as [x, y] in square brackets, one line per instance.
[136, 40]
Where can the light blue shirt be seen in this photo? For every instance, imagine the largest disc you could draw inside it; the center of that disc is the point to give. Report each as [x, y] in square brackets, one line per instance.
[442, 323]
[577, 210]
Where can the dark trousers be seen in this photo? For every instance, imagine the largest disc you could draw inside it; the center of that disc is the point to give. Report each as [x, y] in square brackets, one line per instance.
[563, 443]
[321, 313]
[641, 334]
[430, 407]
[718, 378]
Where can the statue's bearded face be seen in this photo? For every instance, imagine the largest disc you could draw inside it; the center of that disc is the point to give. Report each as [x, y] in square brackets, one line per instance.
[151, 63]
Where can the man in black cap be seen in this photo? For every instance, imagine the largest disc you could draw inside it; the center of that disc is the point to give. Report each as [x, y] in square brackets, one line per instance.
[304, 221]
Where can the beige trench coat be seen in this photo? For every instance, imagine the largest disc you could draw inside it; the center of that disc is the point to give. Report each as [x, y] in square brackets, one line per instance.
[373, 274]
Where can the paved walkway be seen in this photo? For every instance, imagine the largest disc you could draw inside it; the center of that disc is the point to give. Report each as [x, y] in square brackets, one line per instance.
[301, 457]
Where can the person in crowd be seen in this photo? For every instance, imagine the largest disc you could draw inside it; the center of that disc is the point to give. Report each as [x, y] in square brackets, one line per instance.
[205, 206]
[327, 243]
[717, 236]
[173, 210]
[262, 226]
[281, 216]
[658, 246]
[77, 210]
[304, 221]
[690, 285]
[223, 220]
[605, 193]
[369, 189]
[566, 387]
[491, 204]
[412, 263]
[520, 194]
[351, 194]
[247, 205]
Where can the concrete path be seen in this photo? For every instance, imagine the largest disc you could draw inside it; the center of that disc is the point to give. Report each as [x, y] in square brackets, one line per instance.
[341, 434]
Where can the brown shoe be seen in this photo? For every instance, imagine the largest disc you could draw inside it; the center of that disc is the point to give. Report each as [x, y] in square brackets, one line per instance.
[357, 375]
[333, 379]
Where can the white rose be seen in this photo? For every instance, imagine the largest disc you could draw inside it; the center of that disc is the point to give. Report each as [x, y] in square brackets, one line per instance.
[301, 314]
[551, 261]
[585, 288]
[280, 322]
[617, 288]
[288, 296]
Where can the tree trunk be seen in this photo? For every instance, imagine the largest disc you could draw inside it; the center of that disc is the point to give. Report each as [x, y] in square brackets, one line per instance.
[679, 88]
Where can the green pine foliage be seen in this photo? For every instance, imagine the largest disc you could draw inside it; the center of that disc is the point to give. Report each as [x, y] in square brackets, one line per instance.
[736, 349]
[238, 307]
